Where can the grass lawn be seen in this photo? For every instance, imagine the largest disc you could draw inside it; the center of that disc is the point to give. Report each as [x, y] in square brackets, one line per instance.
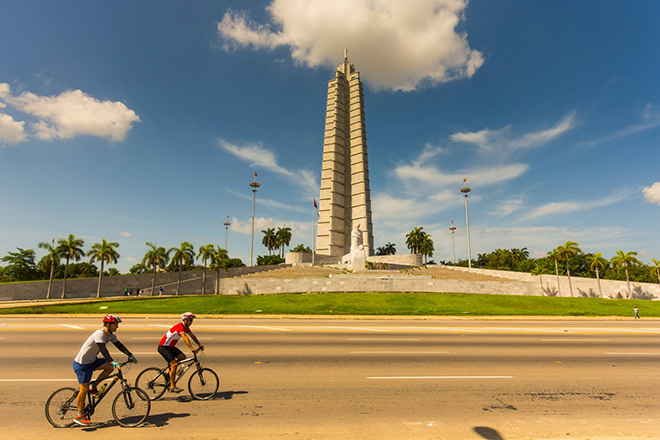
[420, 304]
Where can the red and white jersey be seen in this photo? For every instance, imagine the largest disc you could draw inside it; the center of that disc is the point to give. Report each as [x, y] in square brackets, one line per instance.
[174, 334]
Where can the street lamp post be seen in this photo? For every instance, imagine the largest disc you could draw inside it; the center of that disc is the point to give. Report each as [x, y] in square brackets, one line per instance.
[254, 184]
[227, 225]
[452, 228]
[465, 190]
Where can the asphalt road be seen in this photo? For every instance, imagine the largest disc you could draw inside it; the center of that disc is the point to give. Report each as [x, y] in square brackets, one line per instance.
[361, 379]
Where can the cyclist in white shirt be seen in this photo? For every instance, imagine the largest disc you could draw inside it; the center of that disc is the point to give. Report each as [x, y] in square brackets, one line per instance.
[87, 361]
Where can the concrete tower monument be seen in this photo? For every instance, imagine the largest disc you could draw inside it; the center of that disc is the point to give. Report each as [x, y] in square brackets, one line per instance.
[345, 202]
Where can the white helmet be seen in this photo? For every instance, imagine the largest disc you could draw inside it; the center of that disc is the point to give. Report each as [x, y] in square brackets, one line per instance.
[187, 315]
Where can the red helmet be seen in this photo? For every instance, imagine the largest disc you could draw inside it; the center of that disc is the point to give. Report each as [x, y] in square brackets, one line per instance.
[187, 315]
[111, 319]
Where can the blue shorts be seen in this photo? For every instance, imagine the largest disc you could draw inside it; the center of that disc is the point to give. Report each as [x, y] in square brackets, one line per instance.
[84, 372]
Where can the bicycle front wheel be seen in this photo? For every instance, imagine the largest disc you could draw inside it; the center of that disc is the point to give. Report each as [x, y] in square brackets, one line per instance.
[131, 407]
[62, 407]
[203, 384]
[152, 382]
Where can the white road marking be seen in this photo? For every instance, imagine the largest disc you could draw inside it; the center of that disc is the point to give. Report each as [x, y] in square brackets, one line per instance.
[161, 325]
[399, 352]
[439, 377]
[574, 340]
[278, 329]
[37, 380]
[445, 329]
[380, 339]
[73, 326]
[654, 354]
[358, 328]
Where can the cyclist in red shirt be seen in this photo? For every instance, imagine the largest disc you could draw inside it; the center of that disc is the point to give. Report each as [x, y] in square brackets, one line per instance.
[167, 346]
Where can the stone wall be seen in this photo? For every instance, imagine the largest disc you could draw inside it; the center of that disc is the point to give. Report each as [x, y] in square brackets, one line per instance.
[191, 283]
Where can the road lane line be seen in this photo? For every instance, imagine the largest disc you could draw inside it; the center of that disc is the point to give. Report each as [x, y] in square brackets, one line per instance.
[399, 352]
[380, 339]
[160, 325]
[73, 326]
[358, 328]
[444, 329]
[654, 354]
[438, 377]
[277, 329]
[574, 340]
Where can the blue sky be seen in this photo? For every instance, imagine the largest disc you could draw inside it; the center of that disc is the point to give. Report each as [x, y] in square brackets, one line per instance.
[144, 121]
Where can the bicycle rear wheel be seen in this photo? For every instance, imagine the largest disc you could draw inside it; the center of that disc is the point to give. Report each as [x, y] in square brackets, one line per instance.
[152, 382]
[203, 384]
[131, 407]
[62, 407]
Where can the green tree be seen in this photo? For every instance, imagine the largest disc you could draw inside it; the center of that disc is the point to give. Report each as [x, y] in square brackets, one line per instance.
[655, 269]
[414, 239]
[49, 262]
[597, 262]
[564, 253]
[69, 248]
[426, 249]
[22, 266]
[269, 240]
[183, 255]
[554, 255]
[538, 270]
[625, 261]
[219, 260]
[283, 236]
[388, 249]
[112, 272]
[155, 257]
[267, 260]
[138, 268]
[302, 248]
[105, 253]
[205, 253]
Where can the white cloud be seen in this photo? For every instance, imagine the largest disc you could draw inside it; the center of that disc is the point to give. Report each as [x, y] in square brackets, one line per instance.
[484, 176]
[259, 157]
[650, 117]
[502, 141]
[396, 45]
[261, 223]
[125, 234]
[571, 206]
[73, 113]
[131, 259]
[507, 207]
[652, 193]
[11, 131]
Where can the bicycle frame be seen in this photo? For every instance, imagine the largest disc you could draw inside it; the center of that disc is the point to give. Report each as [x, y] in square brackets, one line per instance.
[190, 361]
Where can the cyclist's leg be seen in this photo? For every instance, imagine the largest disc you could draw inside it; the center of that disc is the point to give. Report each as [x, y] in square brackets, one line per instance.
[172, 356]
[106, 368]
[84, 373]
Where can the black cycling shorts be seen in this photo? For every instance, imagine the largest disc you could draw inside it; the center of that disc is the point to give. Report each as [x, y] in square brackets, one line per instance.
[169, 353]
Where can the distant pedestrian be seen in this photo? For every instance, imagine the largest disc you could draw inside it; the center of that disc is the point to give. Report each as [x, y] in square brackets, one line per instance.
[130, 292]
[137, 292]
[160, 291]
[125, 292]
[636, 310]
[618, 295]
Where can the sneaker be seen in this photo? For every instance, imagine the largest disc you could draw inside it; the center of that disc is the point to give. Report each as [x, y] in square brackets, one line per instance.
[175, 390]
[82, 420]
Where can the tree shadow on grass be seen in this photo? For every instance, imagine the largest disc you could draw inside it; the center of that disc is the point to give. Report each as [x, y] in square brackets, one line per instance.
[488, 433]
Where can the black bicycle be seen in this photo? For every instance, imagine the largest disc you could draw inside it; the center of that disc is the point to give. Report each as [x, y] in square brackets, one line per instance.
[130, 408]
[203, 383]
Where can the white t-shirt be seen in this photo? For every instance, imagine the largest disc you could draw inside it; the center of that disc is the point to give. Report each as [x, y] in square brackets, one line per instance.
[90, 350]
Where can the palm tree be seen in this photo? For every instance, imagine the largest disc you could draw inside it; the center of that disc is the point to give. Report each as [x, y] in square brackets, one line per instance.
[50, 260]
[426, 249]
[71, 249]
[155, 257]
[624, 260]
[185, 254]
[555, 256]
[597, 262]
[269, 240]
[283, 238]
[219, 261]
[205, 252]
[388, 249]
[656, 269]
[565, 252]
[105, 253]
[538, 270]
[414, 239]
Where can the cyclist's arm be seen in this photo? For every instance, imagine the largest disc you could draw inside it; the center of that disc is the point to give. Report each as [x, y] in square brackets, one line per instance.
[187, 341]
[121, 347]
[199, 344]
[104, 351]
